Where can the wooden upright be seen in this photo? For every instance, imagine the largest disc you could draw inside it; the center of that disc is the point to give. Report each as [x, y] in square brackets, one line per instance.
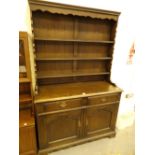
[76, 102]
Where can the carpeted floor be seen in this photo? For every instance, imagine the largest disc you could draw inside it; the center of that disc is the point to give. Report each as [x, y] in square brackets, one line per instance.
[122, 144]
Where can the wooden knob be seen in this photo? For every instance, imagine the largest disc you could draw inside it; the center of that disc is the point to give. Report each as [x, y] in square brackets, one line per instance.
[63, 104]
[103, 99]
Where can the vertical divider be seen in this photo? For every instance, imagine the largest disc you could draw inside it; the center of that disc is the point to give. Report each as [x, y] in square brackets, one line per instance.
[75, 46]
[75, 55]
[111, 49]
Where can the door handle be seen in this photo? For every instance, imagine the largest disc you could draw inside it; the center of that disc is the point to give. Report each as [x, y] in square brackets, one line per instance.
[79, 123]
[86, 122]
[63, 104]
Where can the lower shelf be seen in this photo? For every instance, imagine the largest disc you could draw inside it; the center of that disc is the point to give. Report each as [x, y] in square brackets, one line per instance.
[50, 75]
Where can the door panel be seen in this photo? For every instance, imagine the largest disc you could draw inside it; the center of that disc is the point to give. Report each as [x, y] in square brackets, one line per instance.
[100, 120]
[61, 128]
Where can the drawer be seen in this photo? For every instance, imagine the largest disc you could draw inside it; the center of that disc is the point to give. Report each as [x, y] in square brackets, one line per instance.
[101, 99]
[58, 105]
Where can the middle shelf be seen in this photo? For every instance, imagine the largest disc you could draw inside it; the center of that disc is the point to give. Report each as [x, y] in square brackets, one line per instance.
[49, 75]
[73, 40]
[47, 50]
[55, 69]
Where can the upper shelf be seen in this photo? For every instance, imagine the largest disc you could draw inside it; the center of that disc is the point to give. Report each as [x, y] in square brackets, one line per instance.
[74, 40]
[72, 58]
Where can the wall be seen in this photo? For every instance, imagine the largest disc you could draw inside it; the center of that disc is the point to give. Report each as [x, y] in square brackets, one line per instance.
[124, 39]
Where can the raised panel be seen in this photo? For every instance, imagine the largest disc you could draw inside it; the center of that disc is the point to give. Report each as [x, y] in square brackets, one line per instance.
[100, 120]
[61, 128]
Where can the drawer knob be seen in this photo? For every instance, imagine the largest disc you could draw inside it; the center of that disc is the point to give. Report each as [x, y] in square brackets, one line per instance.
[103, 100]
[63, 104]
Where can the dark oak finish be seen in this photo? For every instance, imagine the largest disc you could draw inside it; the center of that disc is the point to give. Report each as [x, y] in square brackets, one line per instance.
[75, 101]
[73, 121]
[69, 37]
[86, 111]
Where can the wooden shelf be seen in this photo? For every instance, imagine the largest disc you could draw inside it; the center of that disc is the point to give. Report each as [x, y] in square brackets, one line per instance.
[74, 40]
[43, 75]
[58, 91]
[72, 59]
[24, 80]
[24, 98]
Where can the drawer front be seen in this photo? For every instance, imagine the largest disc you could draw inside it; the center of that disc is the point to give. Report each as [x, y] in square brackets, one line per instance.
[58, 105]
[101, 99]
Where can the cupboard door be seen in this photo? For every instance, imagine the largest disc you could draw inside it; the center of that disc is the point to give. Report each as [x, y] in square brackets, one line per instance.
[100, 120]
[58, 129]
